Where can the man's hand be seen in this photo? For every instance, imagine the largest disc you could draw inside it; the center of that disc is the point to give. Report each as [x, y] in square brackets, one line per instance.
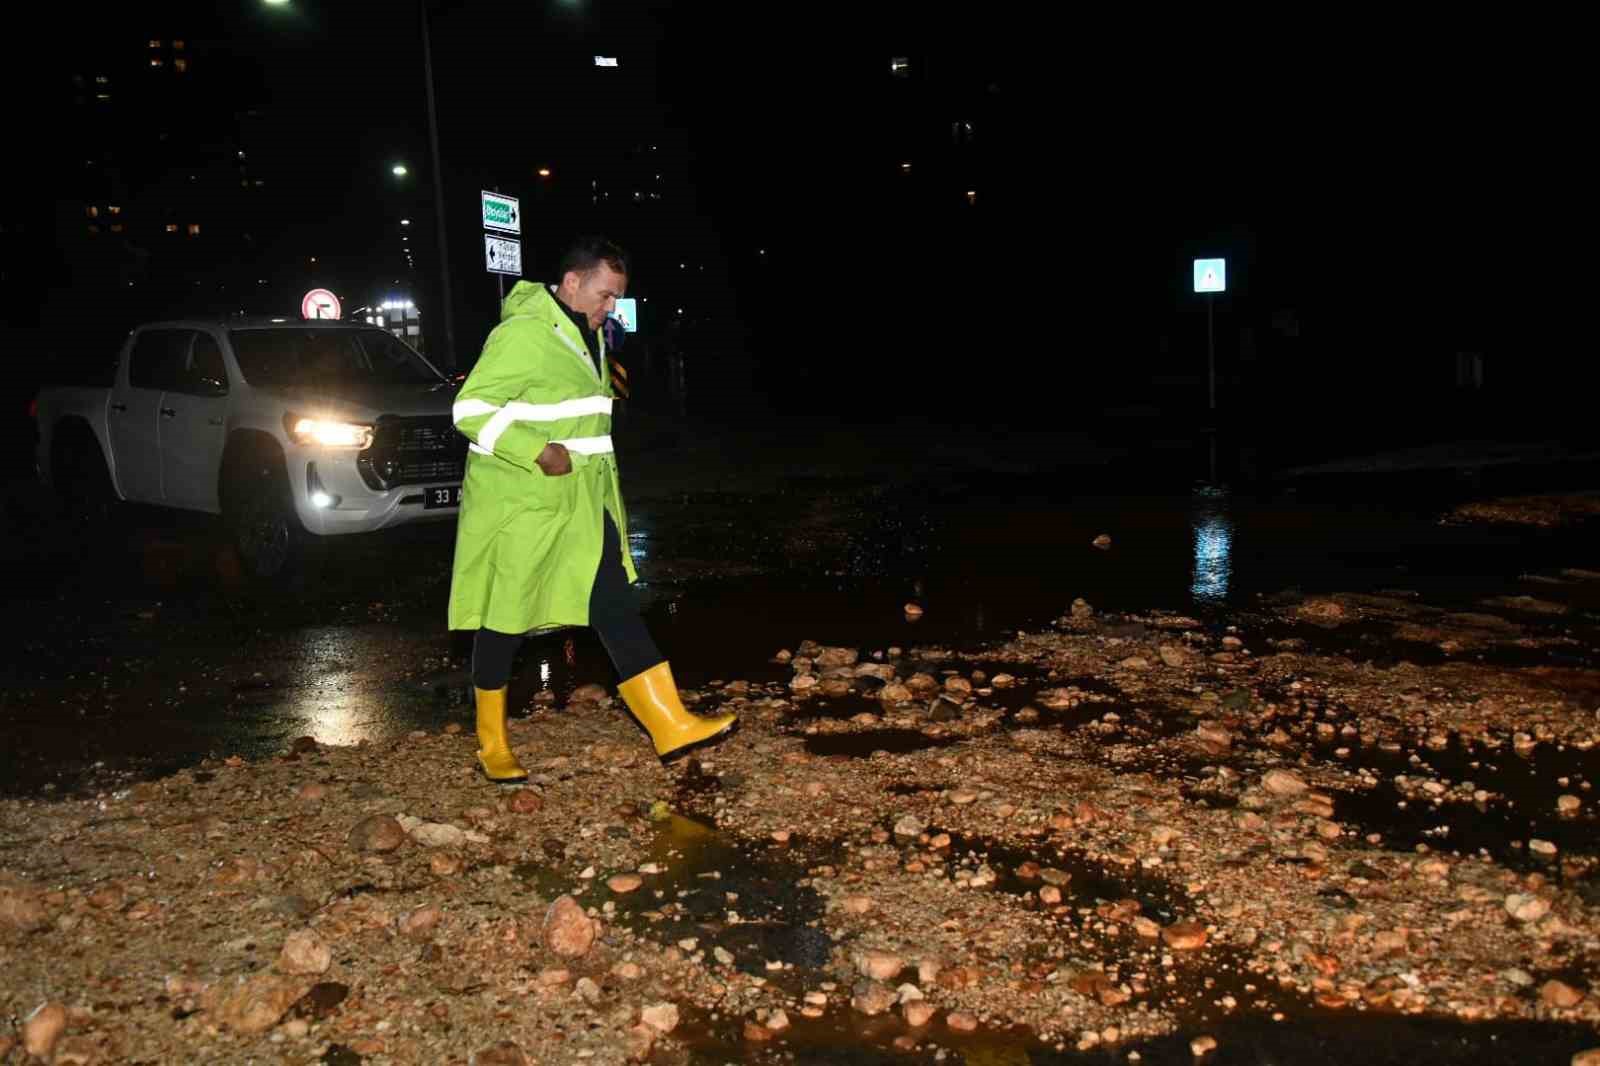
[554, 460]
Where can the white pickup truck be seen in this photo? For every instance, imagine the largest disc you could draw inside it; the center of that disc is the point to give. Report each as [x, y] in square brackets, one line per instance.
[287, 428]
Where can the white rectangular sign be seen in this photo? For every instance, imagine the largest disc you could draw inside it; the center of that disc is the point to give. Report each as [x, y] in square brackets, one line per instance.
[502, 255]
[1210, 275]
[627, 313]
[501, 213]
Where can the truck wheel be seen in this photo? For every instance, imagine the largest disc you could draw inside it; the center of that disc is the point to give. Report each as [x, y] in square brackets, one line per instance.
[259, 510]
[84, 482]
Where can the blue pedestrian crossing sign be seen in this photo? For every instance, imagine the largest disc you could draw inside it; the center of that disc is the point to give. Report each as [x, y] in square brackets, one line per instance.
[1210, 275]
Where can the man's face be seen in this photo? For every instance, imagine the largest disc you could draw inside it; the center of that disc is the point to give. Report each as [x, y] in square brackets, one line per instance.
[593, 295]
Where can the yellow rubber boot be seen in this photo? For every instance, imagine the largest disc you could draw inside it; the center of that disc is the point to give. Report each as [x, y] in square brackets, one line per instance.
[653, 698]
[494, 750]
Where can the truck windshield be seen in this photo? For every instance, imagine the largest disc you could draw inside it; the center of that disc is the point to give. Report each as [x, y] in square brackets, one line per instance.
[293, 356]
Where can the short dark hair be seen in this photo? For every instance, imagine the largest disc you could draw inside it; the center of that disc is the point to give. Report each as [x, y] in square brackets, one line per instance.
[587, 253]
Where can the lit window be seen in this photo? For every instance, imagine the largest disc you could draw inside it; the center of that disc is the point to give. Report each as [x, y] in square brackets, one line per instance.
[94, 212]
[177, 46]
[972, 196]
[194, 229]
[172, 227]
[180, 65]
[259, 183]
[101, 79]
[905, 168]
[155, 44]
[93, 229]
[116, 228]
[114, 209]
[156, 61]
[102, 96]
[900, 66]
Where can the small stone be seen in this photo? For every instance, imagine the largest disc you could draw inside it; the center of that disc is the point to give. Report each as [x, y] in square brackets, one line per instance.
[913, 610]
[963, 796]
[722, 955]
[436, 834]
[624, 883]
[918, 1013]
[784, 655]
[1051, 876]
[1542, 847]
[568, 931]
[453, 729]
[1050, 895]
[296, 1028]
[312, 791]
[910, 826]
[757, 1033]
[1526, 908]
[1081, 608]
[1003, 681]
[503, 1053]
[304, 952]
[1103, 541]
[1027, 715]
[444, 865]
[1202, 1045]
[879, 965]
[894, 692]
[255, 1005]
[587, 990]
[928, 970]
[1588, 1057]
[22, 910]
[524, 801]
[958, 686]
[628, 971]
[1283, 783]
[1175, 654]
[1146, 928]
[1560, 994]
[1568, 804]
[1185, 936]
[378, 833]
[420, 923]
[872, 997]
[641, 1041]
[554, 976]
[43, 1028]
[663, 1017]
[857, 904]
[590, 693]
[961, 1021]
[777, 1021]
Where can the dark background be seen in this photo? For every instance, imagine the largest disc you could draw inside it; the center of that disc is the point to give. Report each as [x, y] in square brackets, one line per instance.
[1388, 196]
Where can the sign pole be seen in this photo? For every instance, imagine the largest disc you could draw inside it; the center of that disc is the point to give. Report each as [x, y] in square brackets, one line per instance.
[1211, 355]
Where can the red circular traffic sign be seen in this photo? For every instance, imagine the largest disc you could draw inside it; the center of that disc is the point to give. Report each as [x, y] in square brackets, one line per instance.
[320, 303]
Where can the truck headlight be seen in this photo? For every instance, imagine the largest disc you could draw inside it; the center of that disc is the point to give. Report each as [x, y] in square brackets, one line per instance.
[327, 433]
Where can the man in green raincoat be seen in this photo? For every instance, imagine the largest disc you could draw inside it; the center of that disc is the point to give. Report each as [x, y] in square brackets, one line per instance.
[542, 538]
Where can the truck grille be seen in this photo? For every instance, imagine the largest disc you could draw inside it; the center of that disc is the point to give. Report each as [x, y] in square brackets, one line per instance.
[413, 451]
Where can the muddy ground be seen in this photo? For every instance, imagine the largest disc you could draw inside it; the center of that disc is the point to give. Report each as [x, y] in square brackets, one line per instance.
[1099, 813]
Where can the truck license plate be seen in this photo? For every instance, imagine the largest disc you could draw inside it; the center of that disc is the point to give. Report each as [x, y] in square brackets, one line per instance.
[442, 496]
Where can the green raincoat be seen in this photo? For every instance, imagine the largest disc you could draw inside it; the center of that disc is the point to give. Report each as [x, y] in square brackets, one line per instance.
[527, 544]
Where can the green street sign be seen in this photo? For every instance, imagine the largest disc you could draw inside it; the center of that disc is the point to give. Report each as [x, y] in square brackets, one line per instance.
[501, 213]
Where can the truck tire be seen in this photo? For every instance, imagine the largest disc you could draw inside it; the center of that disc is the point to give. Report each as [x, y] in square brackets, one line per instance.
[259, 511]
[82, 479]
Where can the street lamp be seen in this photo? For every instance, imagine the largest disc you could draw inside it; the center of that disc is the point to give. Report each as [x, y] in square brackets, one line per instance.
[400, 171]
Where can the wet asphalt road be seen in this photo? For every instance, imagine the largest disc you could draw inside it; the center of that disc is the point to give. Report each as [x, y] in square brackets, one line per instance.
[137, 649]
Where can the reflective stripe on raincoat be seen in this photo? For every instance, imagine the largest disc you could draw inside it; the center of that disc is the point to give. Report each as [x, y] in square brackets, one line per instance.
[527, 544]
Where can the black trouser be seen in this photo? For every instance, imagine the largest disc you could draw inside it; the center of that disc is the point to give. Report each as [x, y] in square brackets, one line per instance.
[613, 612]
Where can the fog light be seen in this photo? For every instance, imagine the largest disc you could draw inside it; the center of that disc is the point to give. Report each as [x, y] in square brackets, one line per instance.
[319, 496]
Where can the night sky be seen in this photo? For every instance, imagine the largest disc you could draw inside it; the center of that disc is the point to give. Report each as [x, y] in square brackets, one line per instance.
[1398, 187]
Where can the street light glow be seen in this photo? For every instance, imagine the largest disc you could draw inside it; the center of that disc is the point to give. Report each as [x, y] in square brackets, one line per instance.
[405, 222]
[400, 171]
[544, 172]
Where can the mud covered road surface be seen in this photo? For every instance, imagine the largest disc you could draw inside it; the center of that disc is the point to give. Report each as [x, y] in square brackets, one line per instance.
[1254, 780]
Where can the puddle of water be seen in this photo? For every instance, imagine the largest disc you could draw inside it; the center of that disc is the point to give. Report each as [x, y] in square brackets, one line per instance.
[863, 745]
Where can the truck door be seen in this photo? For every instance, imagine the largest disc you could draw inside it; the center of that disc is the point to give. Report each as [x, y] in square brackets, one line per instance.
[154, 362]
[193, 421]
